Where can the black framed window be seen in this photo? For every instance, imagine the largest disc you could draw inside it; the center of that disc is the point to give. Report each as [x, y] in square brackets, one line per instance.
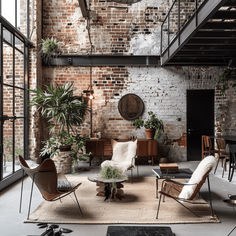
[18, 13]
[14, 85]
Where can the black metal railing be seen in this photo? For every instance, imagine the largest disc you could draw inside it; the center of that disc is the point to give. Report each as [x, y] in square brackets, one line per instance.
[180, 12]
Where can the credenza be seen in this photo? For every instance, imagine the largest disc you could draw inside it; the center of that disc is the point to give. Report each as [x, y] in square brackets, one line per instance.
[103, 148]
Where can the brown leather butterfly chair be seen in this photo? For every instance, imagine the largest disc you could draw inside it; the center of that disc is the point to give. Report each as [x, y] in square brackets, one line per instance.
[51, 185]
[187, 192]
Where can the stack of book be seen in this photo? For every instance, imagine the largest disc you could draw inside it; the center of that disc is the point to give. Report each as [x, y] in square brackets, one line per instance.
[169, 167]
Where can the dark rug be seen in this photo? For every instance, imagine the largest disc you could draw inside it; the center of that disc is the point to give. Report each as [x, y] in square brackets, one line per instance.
[138, 231]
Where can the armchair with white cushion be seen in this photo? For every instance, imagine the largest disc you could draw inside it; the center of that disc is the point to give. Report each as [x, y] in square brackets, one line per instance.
[123, 157]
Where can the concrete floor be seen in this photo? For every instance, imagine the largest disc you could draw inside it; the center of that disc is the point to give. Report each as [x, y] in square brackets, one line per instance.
[11, 222]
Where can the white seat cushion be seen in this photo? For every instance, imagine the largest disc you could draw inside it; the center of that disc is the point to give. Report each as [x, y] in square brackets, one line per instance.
[204, 166]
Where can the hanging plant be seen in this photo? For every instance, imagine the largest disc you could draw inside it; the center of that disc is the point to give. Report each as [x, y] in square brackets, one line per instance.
[229, 74]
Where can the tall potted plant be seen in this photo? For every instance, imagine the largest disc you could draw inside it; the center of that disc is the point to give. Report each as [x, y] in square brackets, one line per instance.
[63, 111]
[153, 126]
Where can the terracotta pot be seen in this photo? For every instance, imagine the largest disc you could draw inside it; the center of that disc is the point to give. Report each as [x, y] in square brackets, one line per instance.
[149, 133]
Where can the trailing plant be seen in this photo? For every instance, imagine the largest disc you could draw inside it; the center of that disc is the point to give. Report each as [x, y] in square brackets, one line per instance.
[152, 123]
[225, 77]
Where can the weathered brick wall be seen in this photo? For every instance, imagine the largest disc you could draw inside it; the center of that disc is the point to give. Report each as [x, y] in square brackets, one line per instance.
[130, 29]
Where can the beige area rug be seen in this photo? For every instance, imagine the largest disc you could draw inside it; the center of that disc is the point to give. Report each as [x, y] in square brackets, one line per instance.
[138, 207]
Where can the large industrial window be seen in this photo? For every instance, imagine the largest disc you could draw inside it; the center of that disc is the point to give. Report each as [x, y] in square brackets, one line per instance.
[14, 80]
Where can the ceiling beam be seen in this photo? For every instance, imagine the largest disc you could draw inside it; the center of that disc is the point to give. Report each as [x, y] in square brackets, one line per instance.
[230, 3]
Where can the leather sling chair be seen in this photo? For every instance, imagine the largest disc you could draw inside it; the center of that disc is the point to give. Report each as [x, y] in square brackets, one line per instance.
[51, 185]
[187, 192]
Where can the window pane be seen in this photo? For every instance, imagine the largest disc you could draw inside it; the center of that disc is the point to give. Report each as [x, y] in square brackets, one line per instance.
[19, 141]
[22, 16]
[8, 10]
[19, 102]
[7, 101]
[19, 69]
[7, 64]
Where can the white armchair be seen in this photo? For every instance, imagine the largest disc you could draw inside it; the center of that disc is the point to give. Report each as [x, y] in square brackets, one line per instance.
[123, 157]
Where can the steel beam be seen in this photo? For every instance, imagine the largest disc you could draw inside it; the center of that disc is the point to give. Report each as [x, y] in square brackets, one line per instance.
[84, 8]
[103, 60]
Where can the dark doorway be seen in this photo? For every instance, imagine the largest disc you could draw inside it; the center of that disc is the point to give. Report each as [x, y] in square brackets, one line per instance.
[200, 120]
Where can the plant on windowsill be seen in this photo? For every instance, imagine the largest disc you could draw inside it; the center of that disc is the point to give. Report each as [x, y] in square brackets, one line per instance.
[229, 74]
[153, 126]
[64, 112]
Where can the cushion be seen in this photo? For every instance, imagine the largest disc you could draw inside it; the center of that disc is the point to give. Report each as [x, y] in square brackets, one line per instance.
[204, 166]
[64, 185]
[123, 155]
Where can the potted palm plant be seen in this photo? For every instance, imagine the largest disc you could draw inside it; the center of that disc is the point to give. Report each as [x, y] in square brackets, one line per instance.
[153, 126]
[63, 111]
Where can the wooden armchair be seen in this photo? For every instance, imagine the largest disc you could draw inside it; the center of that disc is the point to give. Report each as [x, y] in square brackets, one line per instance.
[207, 148]
[187, 192]
[51, 185]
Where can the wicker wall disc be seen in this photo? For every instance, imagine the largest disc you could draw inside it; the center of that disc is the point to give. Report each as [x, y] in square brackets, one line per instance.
[131, 106]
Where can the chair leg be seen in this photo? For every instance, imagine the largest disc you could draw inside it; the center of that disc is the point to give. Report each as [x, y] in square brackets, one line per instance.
[131, 175]
[224, 168]
[78, 204]
[218, 159]
[232, 174]
[31, 193]
[21, 191]
[137, 171]
[158, 208]
[209, 193]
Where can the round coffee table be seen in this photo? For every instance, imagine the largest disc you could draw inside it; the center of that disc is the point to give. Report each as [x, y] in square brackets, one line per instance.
[109, 188]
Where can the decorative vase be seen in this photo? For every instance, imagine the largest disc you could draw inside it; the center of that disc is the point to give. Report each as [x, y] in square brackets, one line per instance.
[149, 133]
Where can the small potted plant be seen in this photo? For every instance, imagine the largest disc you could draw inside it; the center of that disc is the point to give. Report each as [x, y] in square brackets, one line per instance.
[153, 126]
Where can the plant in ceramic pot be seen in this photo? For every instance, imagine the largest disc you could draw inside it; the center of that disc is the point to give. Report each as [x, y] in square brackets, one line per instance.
[153, 126]
[64, 112]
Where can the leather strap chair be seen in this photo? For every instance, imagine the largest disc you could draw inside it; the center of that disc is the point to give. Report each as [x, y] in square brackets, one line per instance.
[51, 185]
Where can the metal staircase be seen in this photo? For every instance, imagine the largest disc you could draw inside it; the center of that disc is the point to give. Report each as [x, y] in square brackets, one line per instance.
[199, 32]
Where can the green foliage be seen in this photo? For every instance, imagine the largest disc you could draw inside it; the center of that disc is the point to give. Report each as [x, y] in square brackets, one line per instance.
[63, 111]
[49, 45]
[60, 107]
[223, 81]
[152, 123]
[138, 123]
[109, 172]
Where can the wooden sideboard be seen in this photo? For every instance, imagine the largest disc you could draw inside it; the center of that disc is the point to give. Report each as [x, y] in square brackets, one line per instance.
[102, 148]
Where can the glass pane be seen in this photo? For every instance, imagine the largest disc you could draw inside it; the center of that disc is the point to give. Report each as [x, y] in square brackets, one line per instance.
[8, 36]
[8, 10]
[19, 102]
[22, 16]
[19, 44]
[19, 69]
[19, 141]
[7, 64]
[7, 147]
[7, 101]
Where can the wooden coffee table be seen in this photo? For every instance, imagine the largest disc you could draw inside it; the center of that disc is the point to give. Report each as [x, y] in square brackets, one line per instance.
[182, 173]
[109, 188]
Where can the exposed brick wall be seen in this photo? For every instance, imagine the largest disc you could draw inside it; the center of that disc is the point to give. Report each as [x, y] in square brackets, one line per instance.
[130, 29]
